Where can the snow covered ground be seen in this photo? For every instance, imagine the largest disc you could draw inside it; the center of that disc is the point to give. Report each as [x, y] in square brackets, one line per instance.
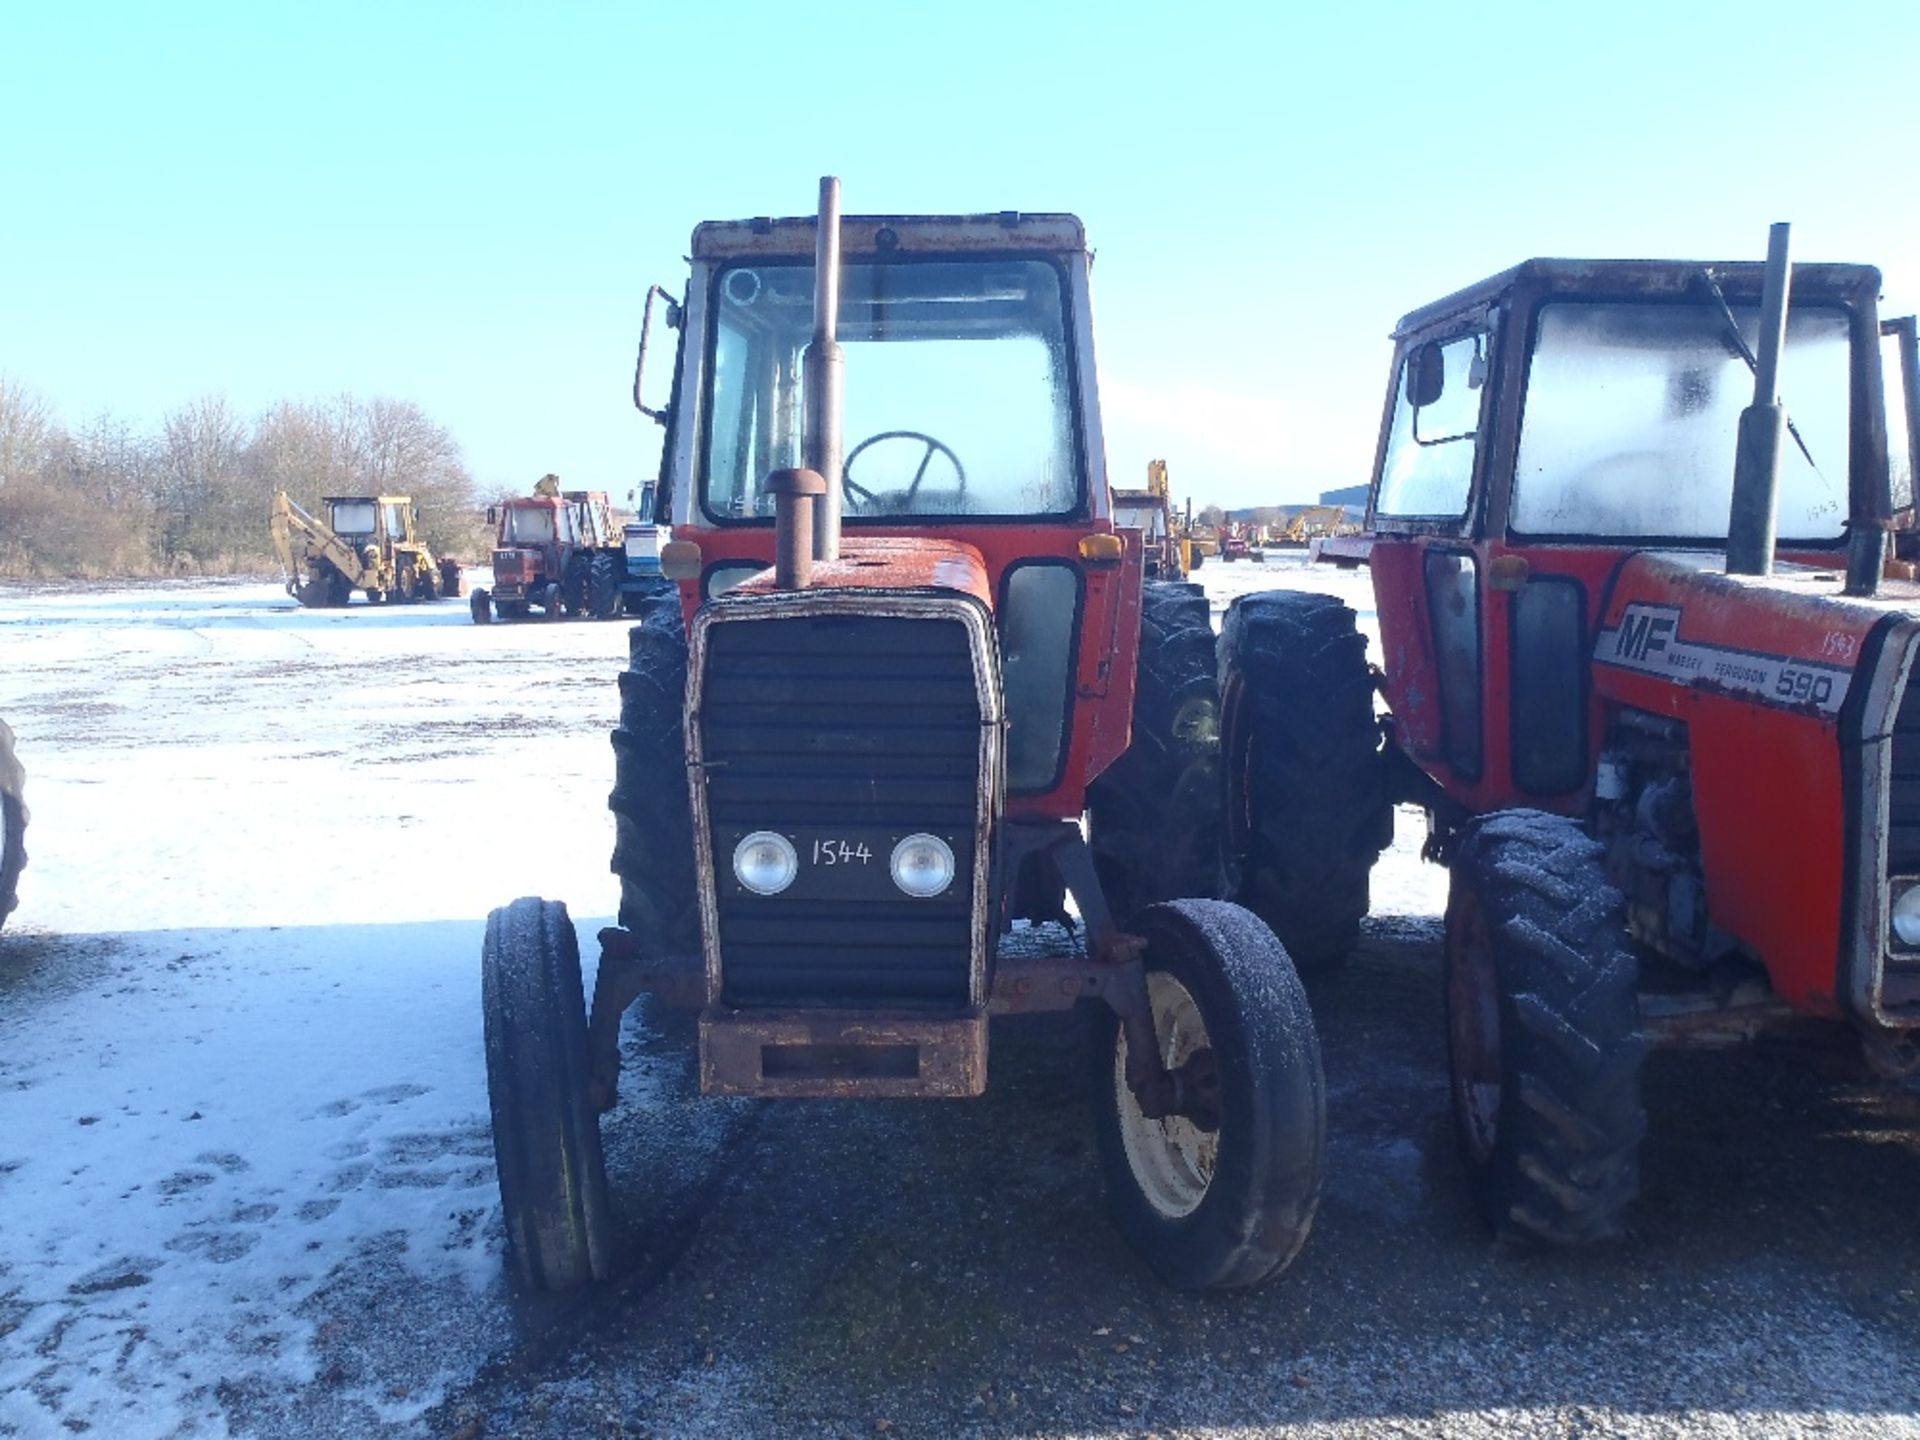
[239, 1003]
[240, 1064]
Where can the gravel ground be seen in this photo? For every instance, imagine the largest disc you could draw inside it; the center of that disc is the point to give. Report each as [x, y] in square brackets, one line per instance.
[939, 1269]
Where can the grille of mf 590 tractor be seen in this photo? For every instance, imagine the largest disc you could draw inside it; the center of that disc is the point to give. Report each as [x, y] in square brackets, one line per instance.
[846, 734]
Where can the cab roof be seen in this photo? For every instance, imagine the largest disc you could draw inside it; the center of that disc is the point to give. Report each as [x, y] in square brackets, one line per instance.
[867, 235]
[1648, 279]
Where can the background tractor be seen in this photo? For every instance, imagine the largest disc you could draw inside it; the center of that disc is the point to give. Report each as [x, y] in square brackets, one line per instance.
[1150, 511]
[367, 543]
[13, 824]
[894, 676]
[1677, 785]
[566, 553]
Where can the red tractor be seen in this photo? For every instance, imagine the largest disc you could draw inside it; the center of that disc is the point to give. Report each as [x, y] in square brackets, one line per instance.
[1677, 785]
[560, 551]
[856, 744]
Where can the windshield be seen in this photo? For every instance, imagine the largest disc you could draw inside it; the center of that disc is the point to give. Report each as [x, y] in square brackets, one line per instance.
[959, 392]
[353, 517]
[529, 525]
[1631, 411]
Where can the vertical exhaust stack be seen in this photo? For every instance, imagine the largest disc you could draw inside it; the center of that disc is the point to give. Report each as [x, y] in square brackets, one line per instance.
[806, 503]
[825, 374]
[1756, 466]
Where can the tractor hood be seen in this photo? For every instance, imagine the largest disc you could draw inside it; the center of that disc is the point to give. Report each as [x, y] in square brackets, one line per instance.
[896, 563]
[1790, 639]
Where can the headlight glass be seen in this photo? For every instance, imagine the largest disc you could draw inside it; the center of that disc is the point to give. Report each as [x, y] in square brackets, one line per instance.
[922, 866]
[1906, 917]
[765, 862]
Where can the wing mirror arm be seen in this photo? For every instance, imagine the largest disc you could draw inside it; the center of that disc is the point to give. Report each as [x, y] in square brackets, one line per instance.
[671, 315]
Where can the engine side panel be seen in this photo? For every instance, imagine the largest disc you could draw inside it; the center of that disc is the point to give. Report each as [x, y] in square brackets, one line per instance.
[1759, 670]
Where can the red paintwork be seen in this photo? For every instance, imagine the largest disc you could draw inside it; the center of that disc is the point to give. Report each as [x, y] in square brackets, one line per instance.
[973, 559]
[1767, 782]
[901, 562]
[1413, 682]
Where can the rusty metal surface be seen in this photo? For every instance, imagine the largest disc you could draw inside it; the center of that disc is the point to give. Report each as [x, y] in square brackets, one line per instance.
[894, 562]
[822, 1054]
[1696, 1019]
[794, 493]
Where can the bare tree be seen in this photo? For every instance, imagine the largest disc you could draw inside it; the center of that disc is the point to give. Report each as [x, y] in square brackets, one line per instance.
[26, 430]
[211, 511]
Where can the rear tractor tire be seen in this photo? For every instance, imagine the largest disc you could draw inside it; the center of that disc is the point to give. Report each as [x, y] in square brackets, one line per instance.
[1307, 812]
[1225, 1198]
[546, 1133]
[480, 603]
[603, 585]
[13, 824]
[576, 585]
[1544, 1046]
[1154, 815]
[653, 851]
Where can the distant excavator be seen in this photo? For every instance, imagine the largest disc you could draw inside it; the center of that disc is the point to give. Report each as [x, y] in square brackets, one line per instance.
[1170, 552]
[367, 543]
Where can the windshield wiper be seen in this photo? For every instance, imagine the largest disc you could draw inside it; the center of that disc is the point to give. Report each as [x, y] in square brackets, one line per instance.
[1753, 364]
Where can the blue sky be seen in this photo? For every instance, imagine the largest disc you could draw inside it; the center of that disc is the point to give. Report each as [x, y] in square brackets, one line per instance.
[464, 205]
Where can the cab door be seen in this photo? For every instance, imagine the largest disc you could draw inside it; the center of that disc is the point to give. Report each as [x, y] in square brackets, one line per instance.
[1429, 563]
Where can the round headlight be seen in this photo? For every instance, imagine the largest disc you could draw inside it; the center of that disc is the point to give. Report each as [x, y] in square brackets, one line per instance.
[765, 862]
[922, 866]
[1906, 917]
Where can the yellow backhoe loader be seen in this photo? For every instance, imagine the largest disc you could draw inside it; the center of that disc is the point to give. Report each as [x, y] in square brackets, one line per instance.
[367, 543]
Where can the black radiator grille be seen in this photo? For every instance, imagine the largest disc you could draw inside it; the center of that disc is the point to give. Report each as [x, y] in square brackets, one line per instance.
[865, 725]
[1903, 800]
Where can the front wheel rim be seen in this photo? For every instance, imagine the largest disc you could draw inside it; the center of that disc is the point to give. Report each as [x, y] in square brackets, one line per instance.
[1172, 1160]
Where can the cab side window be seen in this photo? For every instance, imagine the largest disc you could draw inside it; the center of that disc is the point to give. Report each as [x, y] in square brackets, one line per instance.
[1428, 472]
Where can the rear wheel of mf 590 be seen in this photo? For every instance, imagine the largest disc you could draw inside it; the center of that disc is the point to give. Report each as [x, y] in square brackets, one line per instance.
[546, 1134]
[13, 824]
[481, 604]
[1222, 1195]
[1543, 1034]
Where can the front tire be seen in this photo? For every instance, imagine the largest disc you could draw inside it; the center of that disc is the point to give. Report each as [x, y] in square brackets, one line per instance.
[13, 824]
[546, 1135]
[1307, 813]
[1543, 1031]
[1228, 1205]
[480, 603]
[1154, 814]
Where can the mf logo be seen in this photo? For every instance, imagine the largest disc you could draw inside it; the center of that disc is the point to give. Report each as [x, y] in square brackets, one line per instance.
[1645, 632]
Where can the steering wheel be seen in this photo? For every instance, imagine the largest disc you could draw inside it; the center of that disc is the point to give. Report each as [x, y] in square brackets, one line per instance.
[898, 501]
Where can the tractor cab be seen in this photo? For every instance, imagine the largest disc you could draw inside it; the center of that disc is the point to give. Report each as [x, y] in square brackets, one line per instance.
[1552, 421]
[353, 518]
[1649, 653]
[373, 519]
[970, 422]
